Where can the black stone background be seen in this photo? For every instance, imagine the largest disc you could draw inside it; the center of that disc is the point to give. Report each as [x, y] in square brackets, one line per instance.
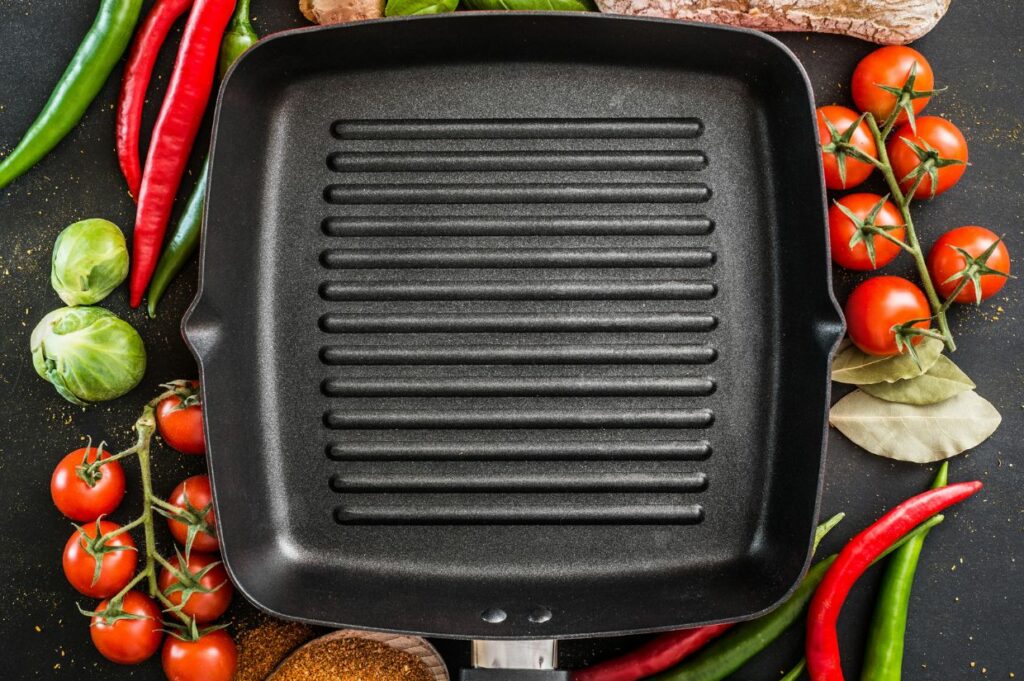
[967, 610]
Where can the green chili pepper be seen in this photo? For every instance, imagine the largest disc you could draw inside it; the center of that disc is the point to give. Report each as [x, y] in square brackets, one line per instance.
[84, 77]
[741, 643]
[239, 37]
[883, 660]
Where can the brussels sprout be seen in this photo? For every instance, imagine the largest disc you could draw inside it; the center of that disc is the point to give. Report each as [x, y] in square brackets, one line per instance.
[90, 259]
[88, 354]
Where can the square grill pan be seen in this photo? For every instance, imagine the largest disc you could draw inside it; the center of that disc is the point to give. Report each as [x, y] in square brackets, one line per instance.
[498, 333]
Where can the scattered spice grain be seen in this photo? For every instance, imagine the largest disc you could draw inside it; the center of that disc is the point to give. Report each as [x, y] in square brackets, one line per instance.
[262, 647]
[351, 659]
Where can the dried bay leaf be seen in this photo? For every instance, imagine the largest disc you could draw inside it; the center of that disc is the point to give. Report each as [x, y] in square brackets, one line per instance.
[851, 365]
[941, 382]
[921, 434]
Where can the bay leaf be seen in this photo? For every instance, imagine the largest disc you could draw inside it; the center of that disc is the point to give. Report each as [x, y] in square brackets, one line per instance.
[852, 365]
[941, 382]
[921, 434]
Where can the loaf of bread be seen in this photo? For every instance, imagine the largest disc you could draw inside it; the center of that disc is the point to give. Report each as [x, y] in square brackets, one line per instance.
[889, 22]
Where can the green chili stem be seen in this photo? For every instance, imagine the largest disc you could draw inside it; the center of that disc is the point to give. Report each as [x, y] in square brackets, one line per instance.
[903, 203]
[825, 528]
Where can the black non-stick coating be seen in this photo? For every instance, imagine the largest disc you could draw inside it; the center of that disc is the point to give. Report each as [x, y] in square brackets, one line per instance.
[515, 325]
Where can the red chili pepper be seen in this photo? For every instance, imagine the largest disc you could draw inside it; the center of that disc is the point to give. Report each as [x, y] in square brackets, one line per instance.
[137, 73]
[655, 656]
[174, 133]
[822, 642]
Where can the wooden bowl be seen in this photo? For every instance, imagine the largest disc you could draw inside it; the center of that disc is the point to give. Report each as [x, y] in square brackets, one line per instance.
[414, 645]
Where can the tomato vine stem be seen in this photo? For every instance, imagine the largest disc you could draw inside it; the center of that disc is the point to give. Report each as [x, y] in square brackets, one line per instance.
[903, 203]
[145, 427]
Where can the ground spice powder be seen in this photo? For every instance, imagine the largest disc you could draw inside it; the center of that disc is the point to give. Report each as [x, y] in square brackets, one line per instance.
[351, 659]
[262, 647]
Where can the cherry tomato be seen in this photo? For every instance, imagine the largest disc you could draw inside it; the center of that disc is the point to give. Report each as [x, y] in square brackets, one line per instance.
[841, 229]
[116, 567]
[128, 641]
[205, 607]
[944, 261]
[213, 657]
[857, 171]
[80, 500]
[890, 66]
[194, 492]
[879, 304]
[938, 134]
[182, 425]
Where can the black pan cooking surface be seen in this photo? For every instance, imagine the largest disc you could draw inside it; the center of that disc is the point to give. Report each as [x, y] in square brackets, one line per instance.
[527, 357]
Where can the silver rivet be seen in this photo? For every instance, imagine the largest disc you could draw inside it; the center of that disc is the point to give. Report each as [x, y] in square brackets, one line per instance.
[493, 616]
[540, 615]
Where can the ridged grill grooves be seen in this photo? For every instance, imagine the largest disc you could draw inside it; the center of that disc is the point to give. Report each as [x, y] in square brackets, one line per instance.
[460, 322]
[516, 225]
[536, 450]
[518, 321]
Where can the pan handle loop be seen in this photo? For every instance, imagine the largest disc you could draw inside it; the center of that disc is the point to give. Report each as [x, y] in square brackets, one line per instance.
[515, 661]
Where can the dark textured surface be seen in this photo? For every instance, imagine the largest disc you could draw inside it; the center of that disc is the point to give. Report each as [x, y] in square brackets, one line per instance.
[967, 596]
[663, 543]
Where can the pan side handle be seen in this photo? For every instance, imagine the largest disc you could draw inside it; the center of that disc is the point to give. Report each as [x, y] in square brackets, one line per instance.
[513, 675]
[515, 661]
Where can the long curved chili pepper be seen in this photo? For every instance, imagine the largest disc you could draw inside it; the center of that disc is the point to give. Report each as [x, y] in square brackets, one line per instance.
[823, 662]
[135, 82]
[655, 656]
[240, 37]
[85, 75]
[174, 133]
[883, 660]
[733, 650]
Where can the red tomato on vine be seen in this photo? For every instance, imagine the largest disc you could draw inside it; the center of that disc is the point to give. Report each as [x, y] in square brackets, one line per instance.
[841, 133]
[936, 154]
[180, 421]
[132, 639]
[213, 657]
[99, 569]
[889, 77]
[880, 304]
[854, 241]
[203, 585]
[84, 492]
[194, 499]
[947, 263]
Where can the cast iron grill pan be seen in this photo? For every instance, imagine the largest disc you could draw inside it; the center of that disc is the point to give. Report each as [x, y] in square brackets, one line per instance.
[515, 326]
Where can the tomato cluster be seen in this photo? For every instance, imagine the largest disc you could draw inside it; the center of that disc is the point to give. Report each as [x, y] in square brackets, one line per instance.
[100, 558]
[924, 156]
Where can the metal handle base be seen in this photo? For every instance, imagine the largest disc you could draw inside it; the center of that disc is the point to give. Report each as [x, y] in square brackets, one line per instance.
[513, 675]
